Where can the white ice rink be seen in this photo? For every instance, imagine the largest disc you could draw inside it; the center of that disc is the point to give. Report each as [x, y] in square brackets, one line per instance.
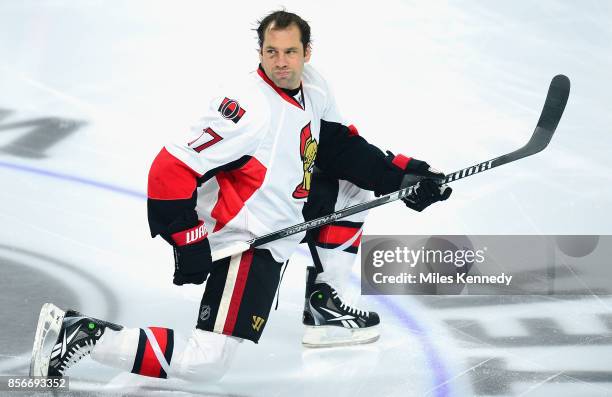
[91, 90]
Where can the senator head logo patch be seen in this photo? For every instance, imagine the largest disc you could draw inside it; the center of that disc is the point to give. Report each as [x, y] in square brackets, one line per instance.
[230, 109]
[308, 153]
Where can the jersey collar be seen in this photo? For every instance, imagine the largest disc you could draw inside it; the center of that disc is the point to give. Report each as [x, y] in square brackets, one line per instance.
[279, 90]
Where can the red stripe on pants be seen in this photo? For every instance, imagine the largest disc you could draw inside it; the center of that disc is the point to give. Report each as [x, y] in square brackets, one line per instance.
[241, 279]
[150, 363]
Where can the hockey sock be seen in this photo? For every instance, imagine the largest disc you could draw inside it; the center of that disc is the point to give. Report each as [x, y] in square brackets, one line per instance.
[142, 351]
[337, 245]
[161, 353]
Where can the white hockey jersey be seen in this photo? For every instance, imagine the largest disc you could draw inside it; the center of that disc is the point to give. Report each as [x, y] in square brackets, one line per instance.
[253, 152]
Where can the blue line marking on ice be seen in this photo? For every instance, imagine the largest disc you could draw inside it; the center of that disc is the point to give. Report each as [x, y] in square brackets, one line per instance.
[75, 179]
[433, 358]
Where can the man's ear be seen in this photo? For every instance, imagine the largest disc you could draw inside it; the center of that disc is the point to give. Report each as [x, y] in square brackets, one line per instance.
[307, 54]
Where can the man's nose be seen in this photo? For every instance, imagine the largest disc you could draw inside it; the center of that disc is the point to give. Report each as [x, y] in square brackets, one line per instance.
[281, 60]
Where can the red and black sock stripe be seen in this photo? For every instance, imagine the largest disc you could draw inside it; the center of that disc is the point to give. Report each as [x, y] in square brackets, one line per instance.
[338, 233]
[146, 362]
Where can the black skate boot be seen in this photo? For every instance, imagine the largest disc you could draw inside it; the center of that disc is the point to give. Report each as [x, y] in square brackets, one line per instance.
[76, 336]
[331, 322]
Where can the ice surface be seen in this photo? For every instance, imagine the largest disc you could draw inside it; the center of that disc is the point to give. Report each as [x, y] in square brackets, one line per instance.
[89, 92]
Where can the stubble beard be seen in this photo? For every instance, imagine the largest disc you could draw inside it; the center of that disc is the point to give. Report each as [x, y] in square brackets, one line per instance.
[286, 82]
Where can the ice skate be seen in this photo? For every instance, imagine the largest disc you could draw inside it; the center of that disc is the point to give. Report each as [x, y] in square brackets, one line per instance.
[331, 322]
[76, 337]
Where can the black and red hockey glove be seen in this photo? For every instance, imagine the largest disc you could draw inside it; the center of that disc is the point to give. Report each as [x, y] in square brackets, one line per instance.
[192, 257]
[426, 192]
[428, 181]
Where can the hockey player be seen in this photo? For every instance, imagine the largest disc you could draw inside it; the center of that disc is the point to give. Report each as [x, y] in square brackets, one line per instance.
[270, 152]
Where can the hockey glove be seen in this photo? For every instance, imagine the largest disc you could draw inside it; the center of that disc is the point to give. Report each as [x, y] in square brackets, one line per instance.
[426, 192]
[428, 189]
[192, 257]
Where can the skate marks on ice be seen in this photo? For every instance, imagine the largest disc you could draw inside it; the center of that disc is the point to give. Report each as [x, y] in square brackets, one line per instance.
[389, 367]
[540, 332]
[46, 279]
[531, 345]
[494, 377]
[517, 344]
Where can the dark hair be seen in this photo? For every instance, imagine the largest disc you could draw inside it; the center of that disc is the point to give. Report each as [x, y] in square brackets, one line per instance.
[282, 20]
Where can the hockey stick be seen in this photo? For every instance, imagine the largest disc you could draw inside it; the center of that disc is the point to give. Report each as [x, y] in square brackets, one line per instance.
[556, 99]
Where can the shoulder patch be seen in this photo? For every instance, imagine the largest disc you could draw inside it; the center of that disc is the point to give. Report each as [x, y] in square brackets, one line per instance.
[230, 109]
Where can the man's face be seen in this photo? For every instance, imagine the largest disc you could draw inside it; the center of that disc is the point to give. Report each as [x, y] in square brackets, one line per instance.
[282, 56]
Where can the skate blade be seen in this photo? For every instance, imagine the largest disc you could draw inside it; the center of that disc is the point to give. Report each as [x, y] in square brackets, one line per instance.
[332, 336]
[47, 330]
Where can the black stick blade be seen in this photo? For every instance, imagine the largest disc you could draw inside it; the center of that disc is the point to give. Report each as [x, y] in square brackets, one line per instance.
[556, 99]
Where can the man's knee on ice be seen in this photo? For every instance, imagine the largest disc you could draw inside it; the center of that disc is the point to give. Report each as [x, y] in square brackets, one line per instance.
[206, 356]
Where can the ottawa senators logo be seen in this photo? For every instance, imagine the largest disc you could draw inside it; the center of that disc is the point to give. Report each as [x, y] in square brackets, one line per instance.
[230, 109]
[308, 153]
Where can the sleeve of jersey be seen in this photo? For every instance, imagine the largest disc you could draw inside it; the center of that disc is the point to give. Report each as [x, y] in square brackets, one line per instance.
[344, 154]
[220, 140]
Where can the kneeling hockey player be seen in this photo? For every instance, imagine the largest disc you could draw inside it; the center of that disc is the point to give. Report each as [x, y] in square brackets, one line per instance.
[270, 151]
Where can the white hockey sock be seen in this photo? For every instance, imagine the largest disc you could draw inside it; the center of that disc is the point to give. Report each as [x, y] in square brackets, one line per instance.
[159, 352]
[117, 349]
[206, 356]
[337, 267]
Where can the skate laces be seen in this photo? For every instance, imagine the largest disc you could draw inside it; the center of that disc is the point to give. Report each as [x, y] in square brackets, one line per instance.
[75, 354]
[348, 308]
